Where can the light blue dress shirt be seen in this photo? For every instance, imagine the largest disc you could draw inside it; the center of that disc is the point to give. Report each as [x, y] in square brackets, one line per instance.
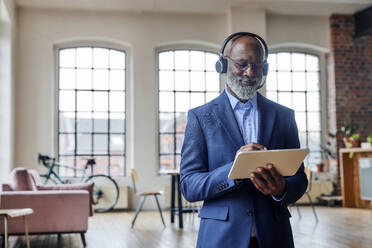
[246, 115]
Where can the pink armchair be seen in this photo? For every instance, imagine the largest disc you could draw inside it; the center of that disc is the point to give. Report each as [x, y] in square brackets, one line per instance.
[57, 209]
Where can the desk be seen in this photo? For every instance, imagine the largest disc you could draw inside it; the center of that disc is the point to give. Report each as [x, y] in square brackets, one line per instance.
[175, 177]
[15, 213]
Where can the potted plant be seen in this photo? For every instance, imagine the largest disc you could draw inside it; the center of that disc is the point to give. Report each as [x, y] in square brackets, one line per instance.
[351, 138]
[330, 151]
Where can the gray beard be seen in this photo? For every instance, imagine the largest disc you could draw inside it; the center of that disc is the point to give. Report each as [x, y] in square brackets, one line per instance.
[243, 92]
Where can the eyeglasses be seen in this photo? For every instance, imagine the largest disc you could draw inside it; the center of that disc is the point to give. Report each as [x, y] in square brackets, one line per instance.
[244, 65]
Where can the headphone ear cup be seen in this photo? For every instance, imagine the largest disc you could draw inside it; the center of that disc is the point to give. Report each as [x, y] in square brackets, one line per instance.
[265, 69]
[221, 65]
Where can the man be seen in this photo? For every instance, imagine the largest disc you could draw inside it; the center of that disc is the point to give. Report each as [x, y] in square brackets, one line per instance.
[240, 213]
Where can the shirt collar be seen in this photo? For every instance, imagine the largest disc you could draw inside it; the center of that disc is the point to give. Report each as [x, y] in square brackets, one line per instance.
[235, 101]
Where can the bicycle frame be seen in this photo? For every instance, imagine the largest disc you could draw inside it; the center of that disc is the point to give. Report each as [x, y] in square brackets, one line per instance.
[52, 172]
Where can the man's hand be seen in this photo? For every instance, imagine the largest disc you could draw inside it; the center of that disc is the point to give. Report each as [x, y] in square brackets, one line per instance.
[268, 181]
[251, 147]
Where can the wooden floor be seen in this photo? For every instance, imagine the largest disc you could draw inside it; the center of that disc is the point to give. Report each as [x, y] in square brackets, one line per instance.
[337, 228]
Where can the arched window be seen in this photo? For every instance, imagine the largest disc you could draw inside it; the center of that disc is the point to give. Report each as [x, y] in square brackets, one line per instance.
[294, 81]
[186, 79]
[91, 108]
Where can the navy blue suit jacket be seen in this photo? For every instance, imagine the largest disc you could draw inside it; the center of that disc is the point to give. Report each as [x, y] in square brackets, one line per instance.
[211, 140]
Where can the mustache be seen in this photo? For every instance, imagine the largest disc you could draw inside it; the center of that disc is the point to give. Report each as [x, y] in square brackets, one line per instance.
[249, 79]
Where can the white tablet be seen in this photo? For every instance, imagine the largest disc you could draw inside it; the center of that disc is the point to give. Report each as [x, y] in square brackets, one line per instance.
[286, 161]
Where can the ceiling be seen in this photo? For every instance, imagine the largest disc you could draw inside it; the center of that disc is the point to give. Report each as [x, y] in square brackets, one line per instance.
[285, 7]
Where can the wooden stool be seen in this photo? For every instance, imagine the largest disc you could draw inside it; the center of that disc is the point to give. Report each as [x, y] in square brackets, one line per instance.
[15, 213]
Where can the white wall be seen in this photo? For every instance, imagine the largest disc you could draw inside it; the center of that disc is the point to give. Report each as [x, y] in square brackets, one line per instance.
[40, 30]
[7, 43]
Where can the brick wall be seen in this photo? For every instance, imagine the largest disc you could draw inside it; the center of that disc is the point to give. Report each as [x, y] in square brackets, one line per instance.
[350, 77]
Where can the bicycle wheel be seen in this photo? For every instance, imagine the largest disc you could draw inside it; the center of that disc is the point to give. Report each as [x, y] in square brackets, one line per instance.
[106, 192]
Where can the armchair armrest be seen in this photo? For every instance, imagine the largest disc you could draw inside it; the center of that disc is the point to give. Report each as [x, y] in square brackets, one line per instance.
[54, 211]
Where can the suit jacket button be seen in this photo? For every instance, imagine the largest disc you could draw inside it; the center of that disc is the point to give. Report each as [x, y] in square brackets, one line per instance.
[249, 212]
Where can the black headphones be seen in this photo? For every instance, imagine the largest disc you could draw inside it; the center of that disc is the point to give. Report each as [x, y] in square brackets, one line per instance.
[221, 64]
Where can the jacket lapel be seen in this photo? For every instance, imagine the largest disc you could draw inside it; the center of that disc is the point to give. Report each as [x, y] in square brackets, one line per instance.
[226, 116]
[266, 119]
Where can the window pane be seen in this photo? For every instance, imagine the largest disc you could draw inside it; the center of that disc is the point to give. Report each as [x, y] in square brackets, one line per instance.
[84, 79]
[285, 99]
[84, 101]
[178, 162]
[66, 121]
[313, 121]
[272, 62]
[100, 144]
[117, 59]
[84, 143]
[182, 102]
[197, 81]
[197, 99]
[312, 63]
[166, 122]
[166, 143]
[117, 122]
[182, 80]
[166, 102]
[179, 142]
[117, 144]
[67, 57]
[67, 161]
[166, 80]
[166, 162]
[117, 80]
[100, 121]
[117, 165]
[271, 81]
[181, 60]
[211, 60]
[313, 101]
[212, 81]
[66, 100]
[302, 137]
[197, 60]
[100, 58]
[284, 81]
[272, 95]
[101, 166]
[100, 101]
[284, 61]
[100, 79]
[314, 141]
[84, 57]
[298, 61]
[313, 81]
[181, 121]
[299, 101]
[210, 96]
[166, 60]
[66, 144]
[84, 122]
[67, 79]
[314, 158]
[301, 121]
[117, 101]
[299, 81]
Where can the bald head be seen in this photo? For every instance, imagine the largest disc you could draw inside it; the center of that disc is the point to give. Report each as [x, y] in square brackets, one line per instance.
[244, 44]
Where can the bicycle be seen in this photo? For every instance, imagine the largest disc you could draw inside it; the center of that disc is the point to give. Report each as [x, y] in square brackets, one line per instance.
[105, 190]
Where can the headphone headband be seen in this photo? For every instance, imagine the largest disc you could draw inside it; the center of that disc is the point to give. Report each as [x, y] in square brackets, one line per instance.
[259, 38]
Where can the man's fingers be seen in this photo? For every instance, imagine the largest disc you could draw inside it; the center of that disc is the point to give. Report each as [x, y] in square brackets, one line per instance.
[252, 147]
[266, 175]
[274, 173]
[259, 183]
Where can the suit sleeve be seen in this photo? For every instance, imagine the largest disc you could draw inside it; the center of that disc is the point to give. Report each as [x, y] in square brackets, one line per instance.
[197, 182]
[295, 185]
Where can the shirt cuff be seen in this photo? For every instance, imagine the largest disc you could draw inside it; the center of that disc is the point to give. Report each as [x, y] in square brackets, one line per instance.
[279, 199]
